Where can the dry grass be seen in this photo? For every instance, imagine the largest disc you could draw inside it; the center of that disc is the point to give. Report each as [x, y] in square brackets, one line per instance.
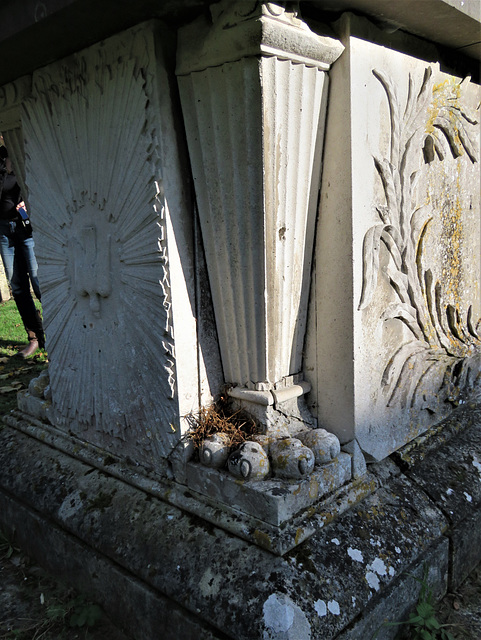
[220, 418]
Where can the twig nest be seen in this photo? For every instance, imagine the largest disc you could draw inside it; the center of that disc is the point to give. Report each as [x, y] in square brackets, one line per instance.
[249, 462]
[214, 450]
[325, 445]
[291, 459]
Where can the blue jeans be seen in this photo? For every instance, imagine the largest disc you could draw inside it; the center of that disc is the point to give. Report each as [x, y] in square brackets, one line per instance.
[19, 259]
[20, 264]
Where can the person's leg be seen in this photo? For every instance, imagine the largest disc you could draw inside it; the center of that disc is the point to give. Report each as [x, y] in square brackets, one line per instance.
[21, 292]
[32, 266]
[7, 250]
[20, 282]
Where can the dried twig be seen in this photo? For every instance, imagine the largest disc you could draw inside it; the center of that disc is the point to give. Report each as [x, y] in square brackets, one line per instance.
[218, 418]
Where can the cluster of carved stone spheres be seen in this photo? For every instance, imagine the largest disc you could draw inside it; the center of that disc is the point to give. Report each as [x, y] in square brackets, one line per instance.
[262, 457]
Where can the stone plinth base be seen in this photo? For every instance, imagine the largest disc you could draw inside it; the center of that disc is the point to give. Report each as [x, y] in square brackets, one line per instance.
[162, 572]
[273, 501]
[274, 514]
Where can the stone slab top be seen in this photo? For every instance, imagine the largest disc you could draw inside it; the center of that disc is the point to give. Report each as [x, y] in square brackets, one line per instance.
[451, 475]
[453, 23]
[205, 569]
[41, 32]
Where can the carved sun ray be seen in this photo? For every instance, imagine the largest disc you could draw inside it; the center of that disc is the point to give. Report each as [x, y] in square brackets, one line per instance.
[102, 249]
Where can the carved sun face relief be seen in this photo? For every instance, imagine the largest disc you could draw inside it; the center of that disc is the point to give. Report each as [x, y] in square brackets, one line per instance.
[95, 186]
[94, 261]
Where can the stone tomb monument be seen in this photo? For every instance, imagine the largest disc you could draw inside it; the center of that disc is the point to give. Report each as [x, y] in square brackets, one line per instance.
[125, 382]
[323, 272]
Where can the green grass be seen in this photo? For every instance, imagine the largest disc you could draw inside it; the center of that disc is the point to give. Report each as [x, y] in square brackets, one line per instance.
[15, 373]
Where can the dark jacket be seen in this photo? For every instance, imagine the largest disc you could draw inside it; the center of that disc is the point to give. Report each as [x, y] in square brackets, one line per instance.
[10, 194]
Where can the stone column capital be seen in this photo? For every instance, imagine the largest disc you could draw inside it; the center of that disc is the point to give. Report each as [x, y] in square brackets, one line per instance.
[246, 29]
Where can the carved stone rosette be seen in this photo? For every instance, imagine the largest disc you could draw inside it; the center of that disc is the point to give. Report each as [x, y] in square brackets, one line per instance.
[253, 87]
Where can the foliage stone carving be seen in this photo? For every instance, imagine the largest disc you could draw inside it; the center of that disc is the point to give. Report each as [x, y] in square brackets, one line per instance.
[443, 354]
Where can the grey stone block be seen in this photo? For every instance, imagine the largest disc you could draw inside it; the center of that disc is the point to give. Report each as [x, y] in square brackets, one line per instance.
[451, 476]
[358, 461]
[273, 501]
[400, 599]
[465, 548]
[314, 591]
[137, 609]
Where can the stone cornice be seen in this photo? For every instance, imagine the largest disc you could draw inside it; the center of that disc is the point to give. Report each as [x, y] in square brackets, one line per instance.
[11, 97]
[39, 33]
[452, 23]
[259, 29]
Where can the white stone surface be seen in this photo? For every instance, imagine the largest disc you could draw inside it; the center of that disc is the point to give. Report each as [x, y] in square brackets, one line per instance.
[284, 619]
[397, 283]
[358, 461]
[114, 245]
[254, 141]
[214, 450]
[273, 500]
[249, 462]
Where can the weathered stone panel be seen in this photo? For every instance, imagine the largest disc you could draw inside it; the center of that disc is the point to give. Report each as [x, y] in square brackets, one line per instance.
[398, 307]
[114, 244]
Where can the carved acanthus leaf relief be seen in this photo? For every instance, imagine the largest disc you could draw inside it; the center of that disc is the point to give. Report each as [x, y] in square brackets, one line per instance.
[444, 352]
[96, 194]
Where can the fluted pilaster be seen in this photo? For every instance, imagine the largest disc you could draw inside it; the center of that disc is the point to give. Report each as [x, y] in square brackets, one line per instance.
[254, 108]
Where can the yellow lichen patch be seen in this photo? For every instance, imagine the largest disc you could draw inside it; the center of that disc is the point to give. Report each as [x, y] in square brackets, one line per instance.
[452, 242]
[263, 539]
[414, 430]
[299, 534]
[297, 490]
[441, 117]
[310, 512]
[445, 93]
[282, 461]
[313, 489]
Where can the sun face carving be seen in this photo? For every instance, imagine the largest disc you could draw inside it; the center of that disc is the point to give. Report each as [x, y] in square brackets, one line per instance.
[96, 195]
[91, 251]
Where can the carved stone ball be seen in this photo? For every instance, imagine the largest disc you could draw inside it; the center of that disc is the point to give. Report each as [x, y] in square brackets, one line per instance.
[291, 459]
[38, 385]
[325, 445]
[249, 462]
[214, 451]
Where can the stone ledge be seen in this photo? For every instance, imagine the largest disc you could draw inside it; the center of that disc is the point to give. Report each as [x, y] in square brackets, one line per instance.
[142, 611]
[453, 23]
[451, 476]
[273, 501]
[397, 603]
[340, 580]
[201, 498]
